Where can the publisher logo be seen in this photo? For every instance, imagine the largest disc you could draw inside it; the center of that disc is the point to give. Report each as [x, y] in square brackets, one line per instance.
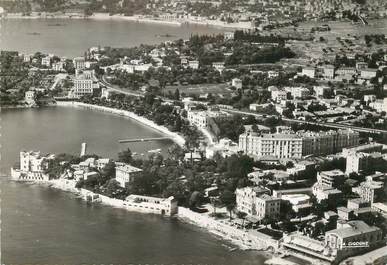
[356, 244]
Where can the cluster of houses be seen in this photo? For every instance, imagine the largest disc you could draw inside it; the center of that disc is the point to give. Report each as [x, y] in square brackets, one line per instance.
[264, 200]
[33, 167]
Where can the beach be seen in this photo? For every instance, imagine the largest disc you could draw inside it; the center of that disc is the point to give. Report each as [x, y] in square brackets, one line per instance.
[177, 138]
[136, 18]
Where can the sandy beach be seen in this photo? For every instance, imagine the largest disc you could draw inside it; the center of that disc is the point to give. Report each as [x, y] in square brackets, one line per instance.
[135, 18]
[177, 138]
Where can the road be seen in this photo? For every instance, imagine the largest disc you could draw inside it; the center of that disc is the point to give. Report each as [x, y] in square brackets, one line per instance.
[324, 124]
[117, 89]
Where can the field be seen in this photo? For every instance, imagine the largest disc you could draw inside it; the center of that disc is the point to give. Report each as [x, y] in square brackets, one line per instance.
[199, 89]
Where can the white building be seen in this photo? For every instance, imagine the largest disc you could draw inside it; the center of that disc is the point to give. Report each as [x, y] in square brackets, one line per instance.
[79, 63]
[331, 178]
[296, 145]
[328, 71]
[200, 118]
[298, 201]
[353, 232]
[219, 66]
[255, 201]
[225, 148]
[193, 64]
[237, 83]
[125, 173]
[298, 92]
[279, 95]
[321, 91]
[366, 190]
[147, 204]
[309, 71]
[46, 61]
[58, 66]
[30, 97]
[368, 73]
[358, 161]
[32, 167]
[369, 98]
[85, 83]
[322, 192]
[229, 35]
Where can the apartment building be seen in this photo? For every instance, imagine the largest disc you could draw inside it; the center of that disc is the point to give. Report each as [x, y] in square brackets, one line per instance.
[79, 63]
[369, 189]
[126, 173]
[296, 145]
[257, 202]
[332, 179]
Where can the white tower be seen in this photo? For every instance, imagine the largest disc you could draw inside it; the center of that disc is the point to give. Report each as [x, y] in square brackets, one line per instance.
[83, 149]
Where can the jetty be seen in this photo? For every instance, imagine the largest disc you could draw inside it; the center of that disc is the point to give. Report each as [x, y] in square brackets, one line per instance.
[152, 139]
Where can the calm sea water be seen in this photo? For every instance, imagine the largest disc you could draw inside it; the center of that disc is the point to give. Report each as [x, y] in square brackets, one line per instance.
[73, 37]
[42, 225]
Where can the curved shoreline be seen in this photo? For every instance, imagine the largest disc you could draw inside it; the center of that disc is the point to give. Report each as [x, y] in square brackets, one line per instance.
[138, 19]
[240, 239]
[178, 139]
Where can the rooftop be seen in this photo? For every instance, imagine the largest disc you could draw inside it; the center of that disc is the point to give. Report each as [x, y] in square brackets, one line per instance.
[353, 228]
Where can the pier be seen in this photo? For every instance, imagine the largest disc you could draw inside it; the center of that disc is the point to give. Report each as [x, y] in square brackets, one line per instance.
[144, 140]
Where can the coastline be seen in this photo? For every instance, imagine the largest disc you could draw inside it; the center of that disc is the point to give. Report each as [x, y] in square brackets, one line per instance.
[178, 139]
[238, 239]
[135, 18]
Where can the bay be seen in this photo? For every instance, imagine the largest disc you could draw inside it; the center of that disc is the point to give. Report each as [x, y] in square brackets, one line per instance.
[41, 225]
[72, 37]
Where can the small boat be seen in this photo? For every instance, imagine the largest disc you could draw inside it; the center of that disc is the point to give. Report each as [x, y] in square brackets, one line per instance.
[55, 25]
[33, 33]
[164, 35]
[154, 151]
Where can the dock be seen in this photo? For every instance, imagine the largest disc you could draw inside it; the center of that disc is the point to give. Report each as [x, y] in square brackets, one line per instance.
[152, 139]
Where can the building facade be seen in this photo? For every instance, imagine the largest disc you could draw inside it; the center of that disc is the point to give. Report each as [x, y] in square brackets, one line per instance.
[257, 202]
[32, 167]
[297, 145]
[352, 238]
[125, 173]
[147, 204]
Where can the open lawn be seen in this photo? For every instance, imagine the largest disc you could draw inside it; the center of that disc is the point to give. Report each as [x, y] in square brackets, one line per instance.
[199, 89]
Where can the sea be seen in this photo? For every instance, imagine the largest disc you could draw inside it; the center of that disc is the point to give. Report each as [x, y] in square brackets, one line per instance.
[42, 225]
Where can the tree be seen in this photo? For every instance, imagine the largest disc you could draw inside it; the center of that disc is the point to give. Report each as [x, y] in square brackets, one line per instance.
[109, 171]
[194, 199]
[176, 152]
[112, 188]
[177, 94]
[230, 207]
[319, 229]
[242, 215]
[214, 202]
[125, 156]
[227, 197]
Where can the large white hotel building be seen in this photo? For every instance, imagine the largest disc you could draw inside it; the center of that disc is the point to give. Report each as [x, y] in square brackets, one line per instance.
[297, 145]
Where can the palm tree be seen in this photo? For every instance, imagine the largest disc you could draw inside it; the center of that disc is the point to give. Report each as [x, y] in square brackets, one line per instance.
[214, 202]
[230, 207]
